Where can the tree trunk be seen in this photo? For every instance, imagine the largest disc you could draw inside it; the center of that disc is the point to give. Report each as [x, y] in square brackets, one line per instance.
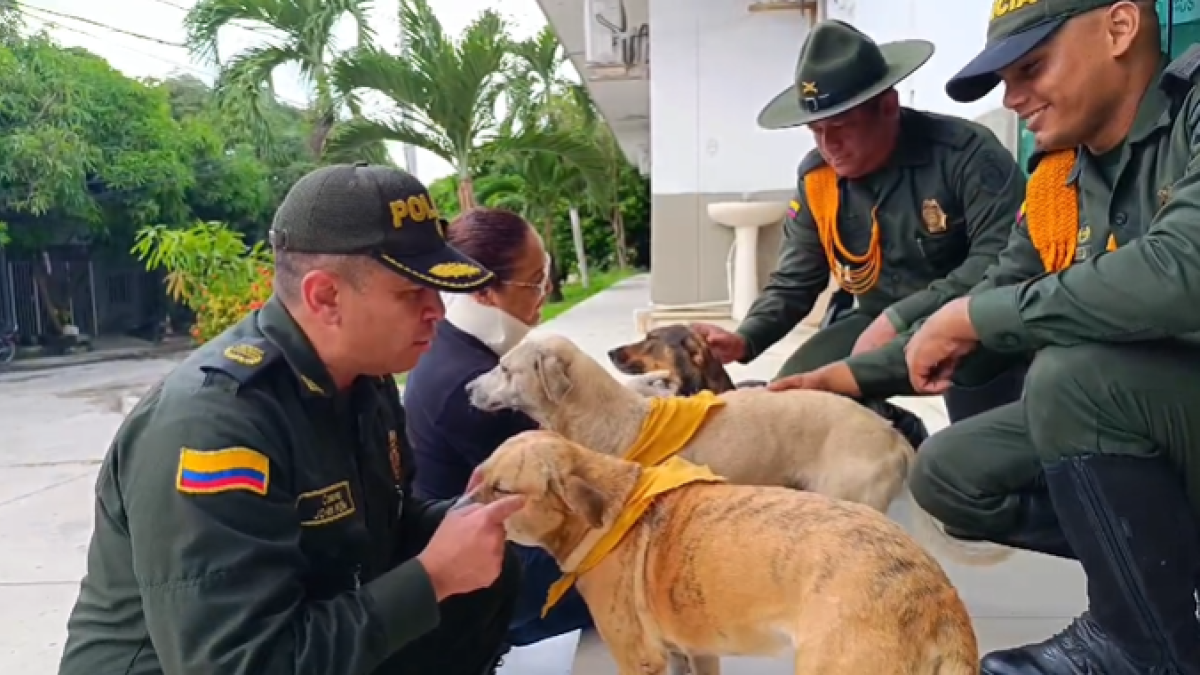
[466, 194]
[41, 279]
[618, 225]
[580, 251]
[555, 294]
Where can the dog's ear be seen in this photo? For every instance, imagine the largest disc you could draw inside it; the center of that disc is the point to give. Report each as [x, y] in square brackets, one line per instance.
[552, 375]
[584, 500]
[706, 363]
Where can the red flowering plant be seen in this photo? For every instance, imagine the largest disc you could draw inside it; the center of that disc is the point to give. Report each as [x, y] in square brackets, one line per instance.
[211, 270]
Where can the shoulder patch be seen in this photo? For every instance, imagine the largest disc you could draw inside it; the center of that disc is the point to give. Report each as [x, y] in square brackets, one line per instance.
[205, 472]
[995, 170]
[811, 161]
[243, 360]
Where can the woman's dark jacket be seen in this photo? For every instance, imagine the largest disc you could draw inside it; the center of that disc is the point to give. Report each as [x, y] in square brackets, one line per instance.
[448, 436]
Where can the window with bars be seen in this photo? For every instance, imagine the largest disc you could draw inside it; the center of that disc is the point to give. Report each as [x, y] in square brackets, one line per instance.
[1180, 22]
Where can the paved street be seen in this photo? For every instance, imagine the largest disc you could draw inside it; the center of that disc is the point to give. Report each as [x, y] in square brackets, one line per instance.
[55, 426]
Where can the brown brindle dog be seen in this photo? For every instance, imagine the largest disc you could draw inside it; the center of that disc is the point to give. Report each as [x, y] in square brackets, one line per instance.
[684, 354]
[715, 569]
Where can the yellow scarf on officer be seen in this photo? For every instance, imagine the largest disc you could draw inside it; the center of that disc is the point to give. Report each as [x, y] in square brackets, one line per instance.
[1051, 211]
[671, 423]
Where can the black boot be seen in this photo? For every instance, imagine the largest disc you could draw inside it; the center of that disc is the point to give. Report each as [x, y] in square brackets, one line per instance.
[1130, 523]
[908, 424]
[1037, 529]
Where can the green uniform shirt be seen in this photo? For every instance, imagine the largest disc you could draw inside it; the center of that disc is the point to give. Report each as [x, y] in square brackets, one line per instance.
[248, 521]
[1148, 189]
[942, 166]
[1137, 189]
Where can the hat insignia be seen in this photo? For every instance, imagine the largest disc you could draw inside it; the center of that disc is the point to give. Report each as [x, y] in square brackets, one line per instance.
[454, 270]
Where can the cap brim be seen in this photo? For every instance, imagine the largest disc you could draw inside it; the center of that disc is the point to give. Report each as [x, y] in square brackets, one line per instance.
[903, 59]
[446, 270]
[979, 77]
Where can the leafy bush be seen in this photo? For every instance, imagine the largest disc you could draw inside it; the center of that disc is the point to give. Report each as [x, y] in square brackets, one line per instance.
[211, 270]
[218, 311]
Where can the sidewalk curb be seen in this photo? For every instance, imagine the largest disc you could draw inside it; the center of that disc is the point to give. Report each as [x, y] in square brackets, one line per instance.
[90, 358]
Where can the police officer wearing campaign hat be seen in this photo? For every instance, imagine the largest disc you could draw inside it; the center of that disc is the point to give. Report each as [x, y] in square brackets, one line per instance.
[1099, 460]
[905, 208]
[253, 513]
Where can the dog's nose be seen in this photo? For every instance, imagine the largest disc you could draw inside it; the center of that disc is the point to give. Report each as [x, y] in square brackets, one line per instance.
[614, 354]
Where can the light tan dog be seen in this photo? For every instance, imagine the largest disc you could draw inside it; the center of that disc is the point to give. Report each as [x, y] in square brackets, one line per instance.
[714, 569]
[799, 439]
[807, 440]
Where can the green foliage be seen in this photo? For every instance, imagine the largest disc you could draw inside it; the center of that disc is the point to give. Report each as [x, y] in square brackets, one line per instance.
[211, 270]
[82, 147]
[207, 256]
[301, 33]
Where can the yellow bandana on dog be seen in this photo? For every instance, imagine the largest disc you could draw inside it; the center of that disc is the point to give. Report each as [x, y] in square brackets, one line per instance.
[671, 474]
[672, 422]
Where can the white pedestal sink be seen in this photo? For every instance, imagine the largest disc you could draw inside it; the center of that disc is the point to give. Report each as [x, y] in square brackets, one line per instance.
[745, 218]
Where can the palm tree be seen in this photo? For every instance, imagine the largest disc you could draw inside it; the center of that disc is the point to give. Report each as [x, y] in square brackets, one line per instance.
[447, 92]
[605, 194]
[298, 32]
[548, 94]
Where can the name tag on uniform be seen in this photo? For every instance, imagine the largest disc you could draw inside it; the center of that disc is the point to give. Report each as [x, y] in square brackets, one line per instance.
[325, 506]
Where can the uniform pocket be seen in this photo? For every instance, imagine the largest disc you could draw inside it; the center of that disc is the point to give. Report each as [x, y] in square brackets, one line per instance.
[944, 251]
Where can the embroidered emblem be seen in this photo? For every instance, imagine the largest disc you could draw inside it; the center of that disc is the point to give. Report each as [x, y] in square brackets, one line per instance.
[327, 505]
[203, 472]
[454, 270]
[415, 209]
[934, 216]
[246, 355]
[1164, 196]
[809, 89]
[1085, 235]
[995, 171]
[1002, 8]
[793, 209]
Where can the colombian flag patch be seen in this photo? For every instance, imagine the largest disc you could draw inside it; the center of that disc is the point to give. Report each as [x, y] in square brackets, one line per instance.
[205, 472]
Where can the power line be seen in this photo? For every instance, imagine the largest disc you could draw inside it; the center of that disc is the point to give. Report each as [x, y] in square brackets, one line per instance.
[97, 24]
[252, 29]
[181, 66]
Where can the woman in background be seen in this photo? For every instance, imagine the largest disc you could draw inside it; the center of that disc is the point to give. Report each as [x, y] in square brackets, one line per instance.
[449, 437]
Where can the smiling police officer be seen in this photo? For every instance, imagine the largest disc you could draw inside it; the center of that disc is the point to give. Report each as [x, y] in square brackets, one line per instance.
[1109, 426]
[253, 515]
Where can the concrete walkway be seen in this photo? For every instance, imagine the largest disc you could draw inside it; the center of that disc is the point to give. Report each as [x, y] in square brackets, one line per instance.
[1025, 599]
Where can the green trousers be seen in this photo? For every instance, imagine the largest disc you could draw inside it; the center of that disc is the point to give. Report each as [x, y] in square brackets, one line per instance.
[836, 341]
[1135, 400]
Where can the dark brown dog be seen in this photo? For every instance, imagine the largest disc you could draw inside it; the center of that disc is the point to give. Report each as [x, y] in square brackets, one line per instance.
[681, 352]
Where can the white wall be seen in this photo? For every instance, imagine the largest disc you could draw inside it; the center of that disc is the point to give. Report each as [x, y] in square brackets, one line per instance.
[716, 65]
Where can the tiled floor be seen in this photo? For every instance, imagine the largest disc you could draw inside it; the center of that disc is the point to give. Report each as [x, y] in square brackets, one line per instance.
[1024, 599]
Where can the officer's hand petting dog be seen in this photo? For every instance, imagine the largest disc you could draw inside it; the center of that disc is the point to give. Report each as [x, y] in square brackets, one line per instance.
[474, 533]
